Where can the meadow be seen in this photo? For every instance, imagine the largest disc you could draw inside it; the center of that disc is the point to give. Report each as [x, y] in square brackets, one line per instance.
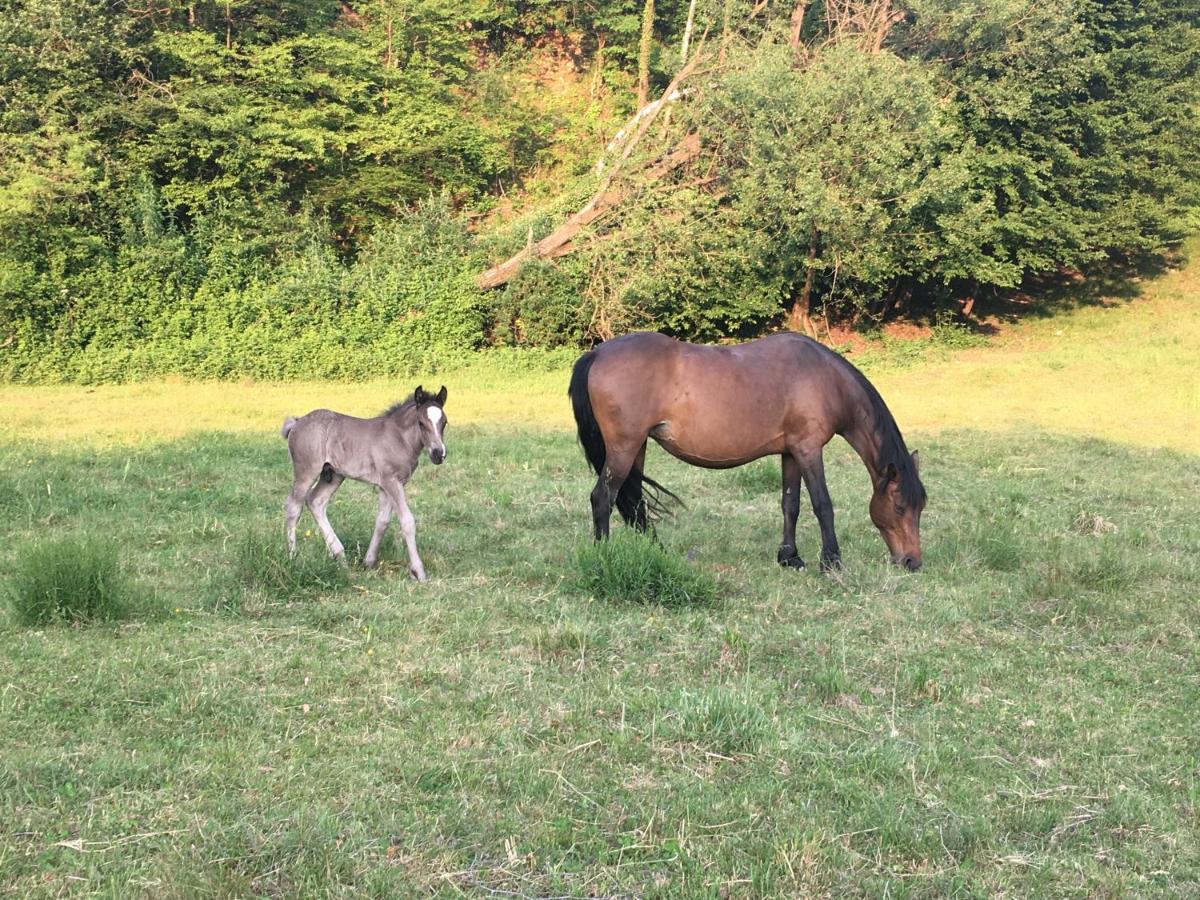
[1018, 719]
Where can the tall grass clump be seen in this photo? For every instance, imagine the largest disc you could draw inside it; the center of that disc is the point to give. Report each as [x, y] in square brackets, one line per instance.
[261, 562]
[721, 719]
[72, 580]
[630, 567]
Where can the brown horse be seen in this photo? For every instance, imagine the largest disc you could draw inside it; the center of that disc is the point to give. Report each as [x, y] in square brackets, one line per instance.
[720, 407]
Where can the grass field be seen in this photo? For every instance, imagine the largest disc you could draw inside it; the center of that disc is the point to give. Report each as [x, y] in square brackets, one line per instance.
[1016, 720]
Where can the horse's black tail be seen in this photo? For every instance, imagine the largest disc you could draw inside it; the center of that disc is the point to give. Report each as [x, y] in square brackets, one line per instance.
[640, 499]
[585, 420]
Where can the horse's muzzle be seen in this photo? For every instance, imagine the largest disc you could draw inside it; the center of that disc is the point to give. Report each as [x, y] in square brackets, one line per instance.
[909, 563]
[438, 456]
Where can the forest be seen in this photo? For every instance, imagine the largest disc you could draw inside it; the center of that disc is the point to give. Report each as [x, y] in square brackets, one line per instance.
[301, 188]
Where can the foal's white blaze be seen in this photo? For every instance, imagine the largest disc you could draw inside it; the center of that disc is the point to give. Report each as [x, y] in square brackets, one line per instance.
[436, 416]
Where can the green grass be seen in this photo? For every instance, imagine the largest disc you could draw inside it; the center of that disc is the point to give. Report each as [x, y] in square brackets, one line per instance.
[261, 566]
[633, 568]
[1017, 719]
[74, 579]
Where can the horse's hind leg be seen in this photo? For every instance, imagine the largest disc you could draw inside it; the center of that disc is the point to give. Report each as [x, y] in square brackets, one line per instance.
[293, 506]
[318, 500]
[617, 465]
[382, 519]
[631, 502]
[791, 510]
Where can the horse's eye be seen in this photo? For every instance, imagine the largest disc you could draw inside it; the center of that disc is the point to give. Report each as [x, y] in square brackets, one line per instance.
[899, 509]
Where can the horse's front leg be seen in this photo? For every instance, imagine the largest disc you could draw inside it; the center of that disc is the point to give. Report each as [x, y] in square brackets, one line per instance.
[408, 526]
[812, 468]
[791, 510]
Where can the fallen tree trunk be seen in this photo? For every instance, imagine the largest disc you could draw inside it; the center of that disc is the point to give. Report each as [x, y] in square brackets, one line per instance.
[558, 242]
[607, 196]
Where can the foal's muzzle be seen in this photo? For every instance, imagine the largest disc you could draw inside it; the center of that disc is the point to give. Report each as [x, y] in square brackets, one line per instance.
[438, 456]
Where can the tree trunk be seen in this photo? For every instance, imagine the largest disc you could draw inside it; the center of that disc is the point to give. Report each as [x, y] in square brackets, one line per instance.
[644, 53]
[800, 318]
[687, 32]
[797, 24]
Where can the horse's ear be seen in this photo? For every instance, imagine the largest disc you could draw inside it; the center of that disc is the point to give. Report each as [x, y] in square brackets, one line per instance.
[916, 462]
[889, 476]
[441, 396]
[419, 395]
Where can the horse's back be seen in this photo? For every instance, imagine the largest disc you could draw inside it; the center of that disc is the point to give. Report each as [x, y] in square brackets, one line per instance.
[718, 405]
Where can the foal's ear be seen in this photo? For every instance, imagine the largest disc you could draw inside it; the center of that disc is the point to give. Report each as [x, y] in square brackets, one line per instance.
[419, 395]
[441, 396]
[916, 462]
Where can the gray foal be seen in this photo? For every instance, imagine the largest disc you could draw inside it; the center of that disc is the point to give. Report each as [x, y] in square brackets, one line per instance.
[327, 448]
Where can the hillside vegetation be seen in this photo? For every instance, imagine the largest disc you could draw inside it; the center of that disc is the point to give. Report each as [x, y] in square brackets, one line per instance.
[302, 189]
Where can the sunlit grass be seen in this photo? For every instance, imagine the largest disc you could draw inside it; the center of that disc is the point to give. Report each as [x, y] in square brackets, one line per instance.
[1124, 372]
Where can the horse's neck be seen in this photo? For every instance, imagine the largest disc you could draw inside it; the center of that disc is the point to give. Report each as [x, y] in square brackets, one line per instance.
[864, 437]
[401, 424]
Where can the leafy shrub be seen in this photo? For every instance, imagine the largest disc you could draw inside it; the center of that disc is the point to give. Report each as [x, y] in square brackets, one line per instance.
[74, 580]
[630, 567]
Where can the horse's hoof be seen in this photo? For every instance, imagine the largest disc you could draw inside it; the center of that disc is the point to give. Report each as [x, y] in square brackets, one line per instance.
[370, 563]
[833, 564]
[792, 562]
[418, 576]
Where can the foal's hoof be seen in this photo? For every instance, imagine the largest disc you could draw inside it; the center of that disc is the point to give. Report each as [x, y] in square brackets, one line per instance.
[791, 562]
[369, 563]
[418, 575]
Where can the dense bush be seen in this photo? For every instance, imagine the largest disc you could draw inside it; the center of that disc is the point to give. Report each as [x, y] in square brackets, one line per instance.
[405, 301]
[308, 190]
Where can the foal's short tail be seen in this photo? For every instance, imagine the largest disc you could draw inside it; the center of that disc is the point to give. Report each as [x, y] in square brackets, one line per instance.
[288, 424]
[640, 498]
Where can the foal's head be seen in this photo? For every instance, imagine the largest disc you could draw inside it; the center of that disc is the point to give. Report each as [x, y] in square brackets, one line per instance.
[432, 422]
[896, 511]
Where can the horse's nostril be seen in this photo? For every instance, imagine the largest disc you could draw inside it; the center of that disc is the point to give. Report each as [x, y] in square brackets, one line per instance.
[911, 564]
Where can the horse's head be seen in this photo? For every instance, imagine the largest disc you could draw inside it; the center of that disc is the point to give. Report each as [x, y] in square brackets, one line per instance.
[896, 511]
[432, 421]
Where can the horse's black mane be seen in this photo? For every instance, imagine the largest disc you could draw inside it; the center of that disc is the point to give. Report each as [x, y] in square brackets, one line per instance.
[892, 450]
[400, 406]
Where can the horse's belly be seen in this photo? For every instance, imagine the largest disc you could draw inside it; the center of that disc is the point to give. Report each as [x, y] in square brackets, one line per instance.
[713, 449]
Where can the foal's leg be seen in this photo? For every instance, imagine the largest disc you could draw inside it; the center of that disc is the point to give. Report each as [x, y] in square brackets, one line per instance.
[812, 468]
[294, 505]
[791, 509]
[318, 499]
[382, 519]
[617, 463]
[408, 525]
